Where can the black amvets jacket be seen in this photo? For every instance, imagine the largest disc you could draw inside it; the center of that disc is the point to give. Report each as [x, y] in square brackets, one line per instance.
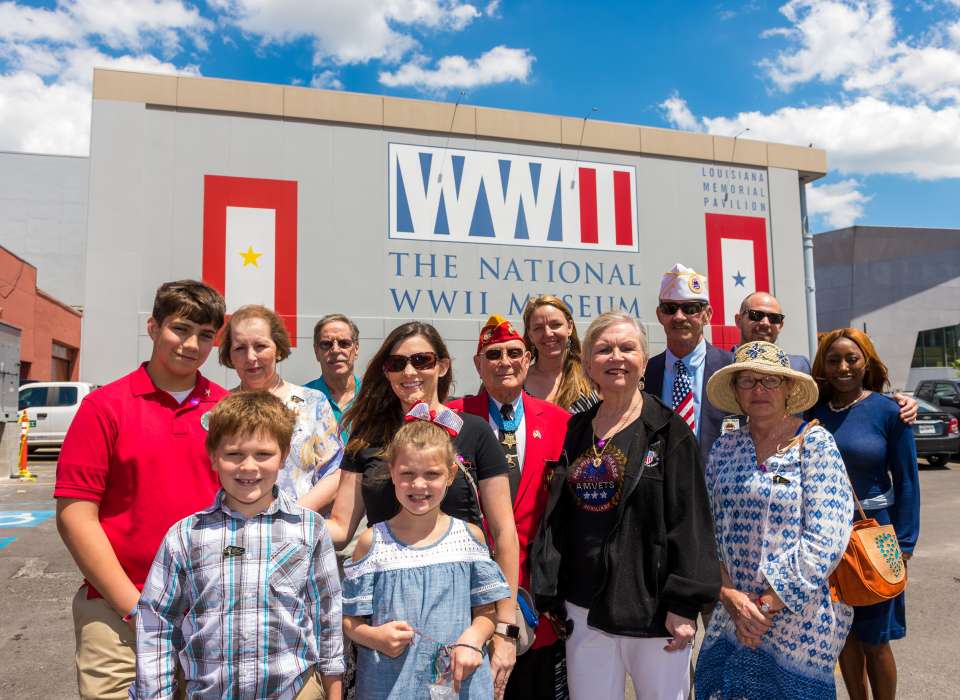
[660, 555]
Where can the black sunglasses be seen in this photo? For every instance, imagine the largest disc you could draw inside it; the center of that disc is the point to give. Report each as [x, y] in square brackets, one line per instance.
[342, 343]
[419, 360]
[494, 354]
[756, 316]
[689, 308]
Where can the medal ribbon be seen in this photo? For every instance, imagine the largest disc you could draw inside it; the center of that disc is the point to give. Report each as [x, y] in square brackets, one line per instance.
[507, 426]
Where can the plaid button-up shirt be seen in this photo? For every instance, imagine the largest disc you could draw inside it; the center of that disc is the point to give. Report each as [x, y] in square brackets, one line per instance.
[248, 606]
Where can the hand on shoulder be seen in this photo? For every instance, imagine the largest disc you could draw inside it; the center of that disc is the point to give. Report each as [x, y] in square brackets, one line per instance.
[364, 542]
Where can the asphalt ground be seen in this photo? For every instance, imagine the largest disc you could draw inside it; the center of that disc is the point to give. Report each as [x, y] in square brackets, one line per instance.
[39, 579]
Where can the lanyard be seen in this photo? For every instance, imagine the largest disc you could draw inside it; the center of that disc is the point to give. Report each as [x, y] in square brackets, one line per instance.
[510, 426]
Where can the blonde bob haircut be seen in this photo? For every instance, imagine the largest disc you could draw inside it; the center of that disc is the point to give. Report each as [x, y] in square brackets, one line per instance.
[612, 318]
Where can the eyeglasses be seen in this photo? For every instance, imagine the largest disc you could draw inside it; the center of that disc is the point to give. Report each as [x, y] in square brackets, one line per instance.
[419, 360]
[494, 354]
[769, 381]
[756, 316]
[342, 343]
[689, 308]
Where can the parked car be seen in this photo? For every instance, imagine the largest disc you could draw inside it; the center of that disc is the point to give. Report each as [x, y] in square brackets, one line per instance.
[944, 393]
[937, 433]
[50, 407]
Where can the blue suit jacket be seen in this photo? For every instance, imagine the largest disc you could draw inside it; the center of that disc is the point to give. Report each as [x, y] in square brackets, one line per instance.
[711, 417]
[800, 363]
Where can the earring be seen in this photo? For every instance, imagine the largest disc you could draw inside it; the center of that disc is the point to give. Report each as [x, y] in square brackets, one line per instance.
[641, 384]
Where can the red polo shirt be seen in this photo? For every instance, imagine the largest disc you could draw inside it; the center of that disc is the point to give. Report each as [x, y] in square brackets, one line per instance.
[140, 455]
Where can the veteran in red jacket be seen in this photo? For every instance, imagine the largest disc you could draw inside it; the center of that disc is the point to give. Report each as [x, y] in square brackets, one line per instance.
[531, 432]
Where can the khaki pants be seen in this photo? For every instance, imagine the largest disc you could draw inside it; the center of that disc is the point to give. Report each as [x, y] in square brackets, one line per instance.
[311, 690]
[106, 649]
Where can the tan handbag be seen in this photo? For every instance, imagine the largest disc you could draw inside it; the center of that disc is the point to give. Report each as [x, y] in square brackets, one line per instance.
[872, 569]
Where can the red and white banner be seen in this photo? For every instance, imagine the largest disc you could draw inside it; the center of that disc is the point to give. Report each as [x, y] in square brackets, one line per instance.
[736, 266]
[250, 243]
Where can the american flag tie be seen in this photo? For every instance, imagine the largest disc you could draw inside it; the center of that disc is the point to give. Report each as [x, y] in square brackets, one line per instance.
[683, 395]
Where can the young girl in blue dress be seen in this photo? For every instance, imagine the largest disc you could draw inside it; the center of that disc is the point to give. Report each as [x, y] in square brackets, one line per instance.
[419, 591]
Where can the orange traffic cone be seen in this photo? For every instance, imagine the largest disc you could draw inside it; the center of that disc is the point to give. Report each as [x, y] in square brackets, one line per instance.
[24, 422]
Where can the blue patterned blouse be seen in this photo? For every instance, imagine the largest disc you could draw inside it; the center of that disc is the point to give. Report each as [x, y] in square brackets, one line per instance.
[783, 524]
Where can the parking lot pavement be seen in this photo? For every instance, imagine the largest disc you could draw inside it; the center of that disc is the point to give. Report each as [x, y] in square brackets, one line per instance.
[38, 580]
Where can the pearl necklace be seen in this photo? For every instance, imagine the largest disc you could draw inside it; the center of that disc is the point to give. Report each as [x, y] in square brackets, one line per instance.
[841, 409]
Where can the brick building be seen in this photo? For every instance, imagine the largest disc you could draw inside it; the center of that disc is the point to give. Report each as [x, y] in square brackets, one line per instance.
[49, 329]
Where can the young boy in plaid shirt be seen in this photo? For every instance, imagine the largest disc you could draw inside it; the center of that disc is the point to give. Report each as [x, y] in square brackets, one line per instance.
[246, 593]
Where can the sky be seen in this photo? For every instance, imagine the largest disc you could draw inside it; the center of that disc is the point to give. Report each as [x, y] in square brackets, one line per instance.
[875, 83]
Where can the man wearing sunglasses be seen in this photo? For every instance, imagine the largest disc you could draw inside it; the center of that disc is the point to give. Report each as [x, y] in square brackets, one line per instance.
[761, 318]
[336, 343]
[531, 432]
[679, 375]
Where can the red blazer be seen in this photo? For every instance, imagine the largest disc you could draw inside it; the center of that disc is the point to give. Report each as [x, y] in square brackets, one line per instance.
[545, 426]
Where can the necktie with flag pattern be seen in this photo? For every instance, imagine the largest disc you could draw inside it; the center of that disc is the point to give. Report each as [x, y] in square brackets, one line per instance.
[683, 395]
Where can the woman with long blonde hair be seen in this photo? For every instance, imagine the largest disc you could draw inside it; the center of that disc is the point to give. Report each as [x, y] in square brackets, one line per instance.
[556, 374]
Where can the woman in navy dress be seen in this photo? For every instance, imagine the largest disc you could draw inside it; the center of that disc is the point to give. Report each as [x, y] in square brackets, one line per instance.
[881, 458]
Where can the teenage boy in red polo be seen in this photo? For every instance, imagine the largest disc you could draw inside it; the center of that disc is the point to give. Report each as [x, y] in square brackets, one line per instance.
[133, 463]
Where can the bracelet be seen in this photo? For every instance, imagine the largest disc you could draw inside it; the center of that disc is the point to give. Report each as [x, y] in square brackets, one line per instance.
[130, 615]
[468, 646]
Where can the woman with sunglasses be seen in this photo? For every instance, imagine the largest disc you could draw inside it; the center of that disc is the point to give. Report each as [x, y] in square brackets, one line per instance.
[556, 373]
[881, 460]
[412, 366]
[254, 341]
[782, 511]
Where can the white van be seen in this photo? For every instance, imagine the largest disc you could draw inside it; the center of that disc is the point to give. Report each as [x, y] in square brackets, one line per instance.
[51, 407]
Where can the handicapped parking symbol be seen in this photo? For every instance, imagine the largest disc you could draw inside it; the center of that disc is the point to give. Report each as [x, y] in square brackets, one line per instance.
[23, 518]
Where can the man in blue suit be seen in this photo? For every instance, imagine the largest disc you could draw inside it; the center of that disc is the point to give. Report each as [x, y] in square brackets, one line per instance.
[679, 375]
[761, 318]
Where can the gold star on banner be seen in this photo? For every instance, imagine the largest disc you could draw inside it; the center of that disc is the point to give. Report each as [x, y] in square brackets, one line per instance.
[249, 257]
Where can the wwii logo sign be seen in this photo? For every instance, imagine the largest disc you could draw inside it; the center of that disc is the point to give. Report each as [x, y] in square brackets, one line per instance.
[444, 194]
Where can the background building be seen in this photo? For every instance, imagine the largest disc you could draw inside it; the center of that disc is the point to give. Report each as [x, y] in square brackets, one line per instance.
[900, 285]
[49, 329]
[386, 209]
[43, 218]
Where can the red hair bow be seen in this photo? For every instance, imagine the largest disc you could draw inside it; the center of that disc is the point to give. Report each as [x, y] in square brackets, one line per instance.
[445, 418]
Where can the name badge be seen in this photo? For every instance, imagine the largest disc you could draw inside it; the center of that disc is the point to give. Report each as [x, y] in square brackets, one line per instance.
[233, 551]
[729, 425]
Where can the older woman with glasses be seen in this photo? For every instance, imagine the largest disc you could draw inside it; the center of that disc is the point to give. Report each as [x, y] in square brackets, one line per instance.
[254, 342]
[782, 511]
[412, 367]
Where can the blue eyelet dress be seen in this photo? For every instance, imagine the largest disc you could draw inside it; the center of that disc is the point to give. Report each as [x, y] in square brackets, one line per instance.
[784, 524]
[433, 588]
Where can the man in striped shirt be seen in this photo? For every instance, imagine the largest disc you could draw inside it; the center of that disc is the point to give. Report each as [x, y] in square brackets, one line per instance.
[246, 592]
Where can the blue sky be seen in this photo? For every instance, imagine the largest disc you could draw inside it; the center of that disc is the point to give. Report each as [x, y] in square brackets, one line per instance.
[875, 83]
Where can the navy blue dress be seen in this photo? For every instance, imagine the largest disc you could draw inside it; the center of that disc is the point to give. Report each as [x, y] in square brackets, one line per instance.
[881, 458]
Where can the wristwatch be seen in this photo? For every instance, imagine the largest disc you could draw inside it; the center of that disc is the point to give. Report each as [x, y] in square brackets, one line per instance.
[505, 629]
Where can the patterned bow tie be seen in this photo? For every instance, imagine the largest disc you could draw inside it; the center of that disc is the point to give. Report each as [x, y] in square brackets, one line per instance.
[445, 418]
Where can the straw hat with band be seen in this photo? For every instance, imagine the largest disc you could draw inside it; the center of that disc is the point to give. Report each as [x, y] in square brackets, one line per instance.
[762, 358]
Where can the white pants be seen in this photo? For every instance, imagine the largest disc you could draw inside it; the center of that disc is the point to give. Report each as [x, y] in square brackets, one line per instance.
[597, 664]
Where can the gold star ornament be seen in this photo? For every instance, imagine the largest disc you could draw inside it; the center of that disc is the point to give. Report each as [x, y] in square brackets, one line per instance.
[250, 257]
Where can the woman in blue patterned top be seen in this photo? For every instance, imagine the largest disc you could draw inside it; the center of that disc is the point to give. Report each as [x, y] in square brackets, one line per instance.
[419, 591]
[881, 458]
[782, 510]
[254, 341]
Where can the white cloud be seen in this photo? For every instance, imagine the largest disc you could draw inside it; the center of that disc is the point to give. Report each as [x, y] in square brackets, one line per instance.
[349, 31]
[498, 65]
[55, 117]
[676, 111]
[838, 204]
[856, 43]
[326, 79]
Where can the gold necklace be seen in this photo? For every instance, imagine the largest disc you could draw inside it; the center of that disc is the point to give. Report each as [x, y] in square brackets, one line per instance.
[604, 442]
[841, 409]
